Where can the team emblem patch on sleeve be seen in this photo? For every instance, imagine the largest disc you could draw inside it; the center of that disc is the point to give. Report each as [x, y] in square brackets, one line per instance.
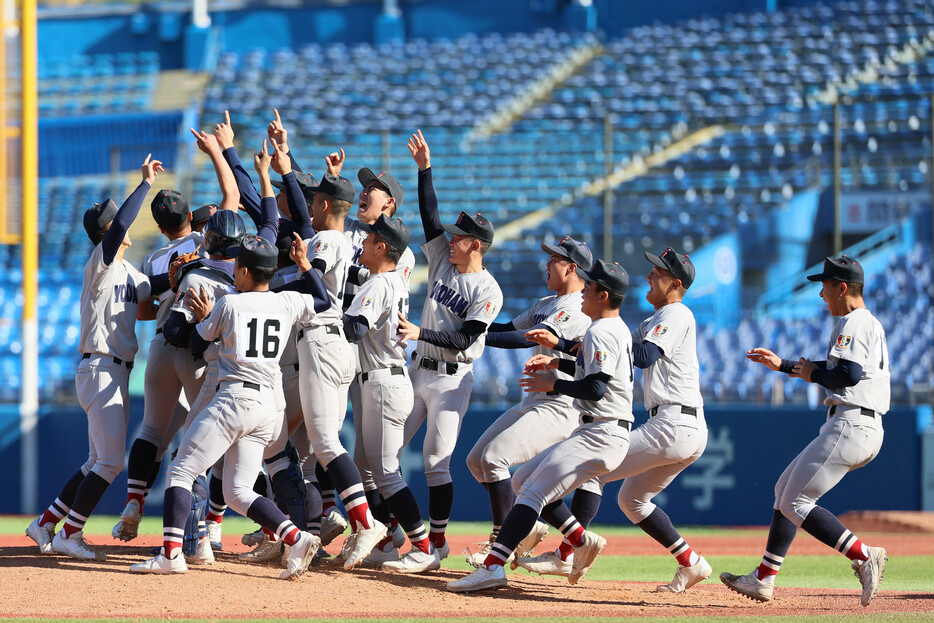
[601, 356]
[659, 330]
[843, 341]
[490, 309]
[562, 317]
[366, 302]
[406, 273]
[321, 247]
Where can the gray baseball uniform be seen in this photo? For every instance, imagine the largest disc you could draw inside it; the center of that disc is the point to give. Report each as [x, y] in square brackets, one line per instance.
[443, 378]
[385, 388]
[539, 420]
[246, 412]
[326, 359]
[109, 299]
[600, 443]
[852, 435]
[676, 433]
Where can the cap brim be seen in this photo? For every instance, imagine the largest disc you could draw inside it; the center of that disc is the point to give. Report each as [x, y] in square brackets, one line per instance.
[233, 250]
[554, 249]
[654, 259]
[457, 231]
[278, 184]
[819, 277]
[365, 227]
[583, 274]
[366, 175]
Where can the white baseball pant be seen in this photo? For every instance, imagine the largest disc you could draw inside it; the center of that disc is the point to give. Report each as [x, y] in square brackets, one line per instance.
[103, 392]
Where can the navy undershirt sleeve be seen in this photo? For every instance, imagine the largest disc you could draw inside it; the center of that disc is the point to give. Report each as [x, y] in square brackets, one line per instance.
[249, 197]
[355, 327]
[507, 336]
[565, 346]
[197, 344]
[645, 354]
[177, 330]
[845, 374]
[591, 387]
[268, 229]
[498, 327]
[298, 206]
[428, 206]
[567, 366]
[454, 340]
[159, 283]
[125, 216]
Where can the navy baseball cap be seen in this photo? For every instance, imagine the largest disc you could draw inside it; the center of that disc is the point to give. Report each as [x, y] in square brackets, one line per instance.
[254, 252]
[676, 263]
[574, 251]
[843, 268]
[392, 230]
[611, 277]
[477, 226]
[99, 215]
[392, 186]
[305, 181]
[169, 209]
[203, 213]
[335, 186]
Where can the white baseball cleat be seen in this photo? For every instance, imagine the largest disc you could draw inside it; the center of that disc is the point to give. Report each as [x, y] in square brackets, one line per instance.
[531, 541]
[366, 540]
[265, 551]
[444, 551]
[686, 577]
[477, 559]
[204, 555]
[479, 580]
[346, 548]
[870, 573]
[378, 556]
[748, 586]
[128, 526]
[398, 536]
[332, 526]
[161, 565]
[549, 563]
[252, 539]
[42, 535]
[215, 531]
[300, 555]
[415, 561]
[75, 546]
[585, 555]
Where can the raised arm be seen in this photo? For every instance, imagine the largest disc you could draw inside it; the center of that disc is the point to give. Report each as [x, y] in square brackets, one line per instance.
[230, 194]
[278, 134]
[249, 198]
[268, 228]
[427, 200]
[128, 212]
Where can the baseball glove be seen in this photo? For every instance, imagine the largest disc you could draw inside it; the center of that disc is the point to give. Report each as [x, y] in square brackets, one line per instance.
[180, 261]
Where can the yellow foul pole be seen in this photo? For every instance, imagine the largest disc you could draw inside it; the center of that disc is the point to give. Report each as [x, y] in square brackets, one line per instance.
[29, 405]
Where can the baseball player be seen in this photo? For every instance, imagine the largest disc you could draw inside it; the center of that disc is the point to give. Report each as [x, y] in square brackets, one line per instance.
[372, 321]
[170, 369]
[328, 359]
[110, 296]
[462, 302]
[602, 389]
[245, 414]
[382, 194]
[665, 346]
[855, 376]
[539, 420]
[200, 216]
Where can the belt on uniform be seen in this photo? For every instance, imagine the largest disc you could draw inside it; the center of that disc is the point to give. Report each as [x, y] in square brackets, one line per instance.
[444, 367]
[331, 329]
[862, 411]
[684, 409]
[247, 384]
[393, 371]
[116, 360]
[587, 419]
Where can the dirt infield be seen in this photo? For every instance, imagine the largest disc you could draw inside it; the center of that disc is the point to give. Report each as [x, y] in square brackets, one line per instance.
[230, 589]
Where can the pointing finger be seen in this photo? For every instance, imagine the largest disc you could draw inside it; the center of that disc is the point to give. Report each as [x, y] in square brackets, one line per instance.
[278, 120]
[227, 117]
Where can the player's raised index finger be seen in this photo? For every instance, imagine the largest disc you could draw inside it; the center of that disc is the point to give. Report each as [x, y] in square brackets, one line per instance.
[276, 111]
[227, 117]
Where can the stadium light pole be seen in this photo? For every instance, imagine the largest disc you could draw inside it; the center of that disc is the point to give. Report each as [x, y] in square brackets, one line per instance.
[29, 396]
[608, 192]
[837, 184]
